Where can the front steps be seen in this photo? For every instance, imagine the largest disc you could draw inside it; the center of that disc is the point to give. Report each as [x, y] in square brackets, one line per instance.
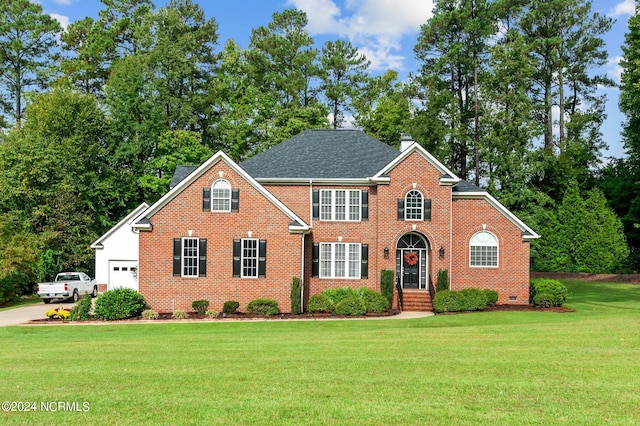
[416, 301]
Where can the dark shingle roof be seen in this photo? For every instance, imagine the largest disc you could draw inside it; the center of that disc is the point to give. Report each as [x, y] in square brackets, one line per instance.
[465, 186]
[181, 173]
[322, 154]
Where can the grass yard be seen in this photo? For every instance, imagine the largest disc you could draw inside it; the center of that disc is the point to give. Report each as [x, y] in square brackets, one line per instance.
[481, 368]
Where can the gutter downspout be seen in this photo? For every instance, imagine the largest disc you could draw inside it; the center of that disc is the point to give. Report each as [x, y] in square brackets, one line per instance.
[450, 235]
[302, 277]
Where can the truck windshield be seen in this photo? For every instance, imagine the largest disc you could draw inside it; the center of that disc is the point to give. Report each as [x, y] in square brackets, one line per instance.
[68, 277]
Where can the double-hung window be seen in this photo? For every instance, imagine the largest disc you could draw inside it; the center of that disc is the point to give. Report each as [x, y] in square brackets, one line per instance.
[249, 258]
[340, 204]
[340, 260]
[221, 196]
[189, 257]
[483, 250]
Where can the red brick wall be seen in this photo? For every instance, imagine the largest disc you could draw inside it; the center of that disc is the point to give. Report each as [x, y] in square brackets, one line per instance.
[511, 277]
[383, 230]
[164, 292]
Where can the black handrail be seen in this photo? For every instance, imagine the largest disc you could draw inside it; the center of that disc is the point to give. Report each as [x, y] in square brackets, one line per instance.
[399, 288]
[432, 290]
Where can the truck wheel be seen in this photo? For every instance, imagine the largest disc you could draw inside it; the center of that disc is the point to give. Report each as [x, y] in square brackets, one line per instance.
[75, 296]
[46, 301]
[94, 293]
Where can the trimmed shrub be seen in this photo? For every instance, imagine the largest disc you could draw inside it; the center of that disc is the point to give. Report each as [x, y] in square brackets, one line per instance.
[320, 303]
[492, 296]
[447, 301]
[473, 299]
[443, 280]
[119, 303]
[82, 309]
[555, 288]
[352, 306]
[263, 307]
[336, 295]
[296, 295]
[230, 307]
[179, 314]
[386, 284]
[212, 314]
[543, 300]
[150, 314]
[373, 301]
[200, 306]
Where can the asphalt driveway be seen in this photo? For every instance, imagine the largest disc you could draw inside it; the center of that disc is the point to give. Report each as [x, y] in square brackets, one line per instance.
[24, 314]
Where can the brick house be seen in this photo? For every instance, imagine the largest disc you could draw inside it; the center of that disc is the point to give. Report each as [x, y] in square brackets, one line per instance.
[334, 208]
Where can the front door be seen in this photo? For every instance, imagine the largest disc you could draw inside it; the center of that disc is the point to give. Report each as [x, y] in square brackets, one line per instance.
[412, 261]
[410, 268]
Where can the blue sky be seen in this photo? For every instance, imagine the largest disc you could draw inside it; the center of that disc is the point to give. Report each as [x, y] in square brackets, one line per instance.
[384, 30]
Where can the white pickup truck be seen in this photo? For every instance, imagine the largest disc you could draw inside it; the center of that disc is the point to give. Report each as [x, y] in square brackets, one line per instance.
[68, 285]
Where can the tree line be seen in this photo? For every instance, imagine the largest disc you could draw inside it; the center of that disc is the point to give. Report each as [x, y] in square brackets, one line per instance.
[97, 117]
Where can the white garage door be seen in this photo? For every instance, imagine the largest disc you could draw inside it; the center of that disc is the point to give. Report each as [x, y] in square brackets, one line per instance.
[123, 273]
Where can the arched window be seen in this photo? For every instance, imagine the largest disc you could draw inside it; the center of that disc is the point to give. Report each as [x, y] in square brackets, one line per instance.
[221, 196]
[483, 249]
[413, 206]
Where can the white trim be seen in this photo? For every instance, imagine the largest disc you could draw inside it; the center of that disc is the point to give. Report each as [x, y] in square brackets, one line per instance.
[528, 233]
[448, 177]
[129, 219]
[221, 156]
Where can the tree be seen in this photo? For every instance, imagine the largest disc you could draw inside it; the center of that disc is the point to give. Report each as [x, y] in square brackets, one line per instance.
[283, 64]
[55, 179]
[176, 147]
[452, 47]
[343, 73]
[584, 236]
[621, 178]
[28, 38]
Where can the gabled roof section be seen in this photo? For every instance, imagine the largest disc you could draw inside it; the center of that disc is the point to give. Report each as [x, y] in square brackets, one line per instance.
[143, 223]
[466, 189]
[180, 174]
[129, 220]
[447, 176]
[321, 155]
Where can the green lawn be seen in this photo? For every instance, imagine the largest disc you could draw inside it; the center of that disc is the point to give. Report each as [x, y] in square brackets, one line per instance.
[481, 368]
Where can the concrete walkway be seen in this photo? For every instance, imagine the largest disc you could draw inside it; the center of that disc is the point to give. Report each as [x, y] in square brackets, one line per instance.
[24, 314]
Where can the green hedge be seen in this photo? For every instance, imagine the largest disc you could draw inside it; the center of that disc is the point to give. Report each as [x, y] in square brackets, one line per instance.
[468, 299]
[296, 295]
[492, 296]
[263, 307]
[320, 303]
[119, 303]
[373, 301]
[200, 306]
[230, 307]
[555, 292]
[352, 305]
[386, 284]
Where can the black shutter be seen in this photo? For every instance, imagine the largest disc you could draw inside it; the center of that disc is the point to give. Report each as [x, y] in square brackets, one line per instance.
[364, 261]
[365, 205]
[202, 259]
[316, 204]
[206, 199]
[315, 260]
[427, 209]
[400, 208]
[235, 200]
[262, 259]
[237, 249]
[177, 257]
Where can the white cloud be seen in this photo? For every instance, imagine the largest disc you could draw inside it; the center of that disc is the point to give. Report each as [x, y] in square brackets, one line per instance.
[376, 27]
[627, 7]
[614, 70]
[63, 2]
[63, 20]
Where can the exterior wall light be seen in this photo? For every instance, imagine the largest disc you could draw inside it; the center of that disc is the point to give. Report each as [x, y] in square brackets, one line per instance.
[441, 251]
[386, 252]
